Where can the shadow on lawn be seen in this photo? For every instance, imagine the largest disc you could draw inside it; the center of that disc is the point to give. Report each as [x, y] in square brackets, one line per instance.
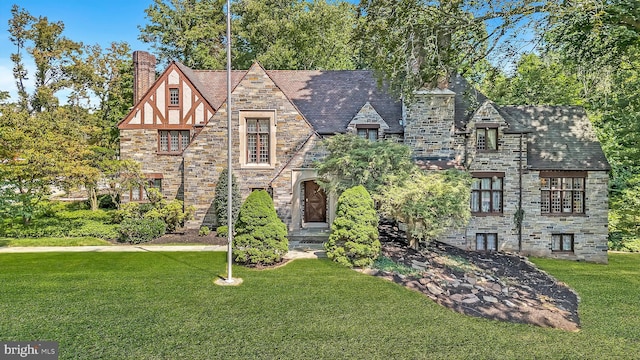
[204, 270]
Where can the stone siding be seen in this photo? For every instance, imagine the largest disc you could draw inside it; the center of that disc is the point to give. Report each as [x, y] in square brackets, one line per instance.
[207, 155]
[429, 125]
[141, 145]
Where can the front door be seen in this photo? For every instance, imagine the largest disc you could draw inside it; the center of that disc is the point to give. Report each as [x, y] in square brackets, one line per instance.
[315, 203]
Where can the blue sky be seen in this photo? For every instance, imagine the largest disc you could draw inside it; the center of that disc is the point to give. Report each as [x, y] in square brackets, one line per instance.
[89, 21]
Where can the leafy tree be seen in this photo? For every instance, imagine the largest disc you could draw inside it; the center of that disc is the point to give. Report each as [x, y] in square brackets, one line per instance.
[191, 31]
[221, 196]
[429, 203]
[353, 161]
[354, 232]
[261, 236]
[597, 32]
[295, 34]
[417, 43]
[537, 80]
[39, 151]
[51, 52]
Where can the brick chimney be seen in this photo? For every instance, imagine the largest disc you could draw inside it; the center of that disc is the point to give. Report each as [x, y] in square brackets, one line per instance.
[144, 73]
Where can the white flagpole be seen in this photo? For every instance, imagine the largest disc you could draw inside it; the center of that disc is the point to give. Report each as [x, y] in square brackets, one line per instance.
[229, 144]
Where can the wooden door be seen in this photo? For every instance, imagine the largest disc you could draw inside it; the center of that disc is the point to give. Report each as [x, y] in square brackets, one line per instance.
[315, 203]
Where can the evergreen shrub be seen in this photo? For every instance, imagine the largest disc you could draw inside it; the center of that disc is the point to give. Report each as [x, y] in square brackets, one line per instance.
[354, 233]
[137, 231]
[261, 237]
[221, 196]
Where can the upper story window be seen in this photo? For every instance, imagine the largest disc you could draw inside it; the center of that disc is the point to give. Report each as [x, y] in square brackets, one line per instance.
[487, 137]
[174, 97]
[258, 141]
[173, 141]
[257, 138]
[368, 131]
[486, 193]
[562, 193]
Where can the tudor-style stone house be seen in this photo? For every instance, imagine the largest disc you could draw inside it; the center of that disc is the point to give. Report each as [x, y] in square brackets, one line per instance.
[544, 160]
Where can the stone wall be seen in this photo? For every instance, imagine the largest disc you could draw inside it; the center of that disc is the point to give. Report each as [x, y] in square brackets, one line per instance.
[141, 145]
[207, 155]
[429, 124]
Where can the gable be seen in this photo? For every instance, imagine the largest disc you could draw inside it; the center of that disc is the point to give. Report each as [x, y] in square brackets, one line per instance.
[173, 102]
[368, 115]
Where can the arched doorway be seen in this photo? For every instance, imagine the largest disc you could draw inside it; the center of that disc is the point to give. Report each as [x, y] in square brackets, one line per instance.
[315, 203]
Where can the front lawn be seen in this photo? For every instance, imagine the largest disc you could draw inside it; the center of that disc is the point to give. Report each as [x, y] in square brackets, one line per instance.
[165, 306]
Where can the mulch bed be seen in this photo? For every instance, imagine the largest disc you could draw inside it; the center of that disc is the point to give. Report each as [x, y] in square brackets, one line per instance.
[493, 285]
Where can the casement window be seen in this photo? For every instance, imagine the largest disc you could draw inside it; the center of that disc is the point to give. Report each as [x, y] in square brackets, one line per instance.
[140, 193]
[486, 193]
[562, 193]
[562, 242]
[257, 139]
[173, 141]
[174, 97]
[368, 131]
[486, 242]
[486, 137]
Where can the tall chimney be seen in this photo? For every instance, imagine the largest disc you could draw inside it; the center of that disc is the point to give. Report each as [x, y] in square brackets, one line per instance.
[144, 73]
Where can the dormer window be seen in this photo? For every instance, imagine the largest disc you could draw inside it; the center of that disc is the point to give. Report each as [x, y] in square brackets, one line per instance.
[487, 137]
[174, 97]
[368, 131]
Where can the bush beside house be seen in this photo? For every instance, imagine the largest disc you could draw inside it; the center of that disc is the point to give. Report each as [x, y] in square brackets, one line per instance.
[354, 233]
[261, 237]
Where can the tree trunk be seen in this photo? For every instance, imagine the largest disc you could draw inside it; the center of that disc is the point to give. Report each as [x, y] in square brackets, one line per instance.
[93, 198]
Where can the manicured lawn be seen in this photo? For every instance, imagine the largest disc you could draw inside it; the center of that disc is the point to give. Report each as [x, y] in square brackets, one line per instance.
[165, 306]
[54, 241]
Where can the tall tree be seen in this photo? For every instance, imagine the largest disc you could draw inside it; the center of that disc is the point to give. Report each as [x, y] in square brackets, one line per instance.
[51, 52]
[415, 43]
[296, 34]
[190, 31]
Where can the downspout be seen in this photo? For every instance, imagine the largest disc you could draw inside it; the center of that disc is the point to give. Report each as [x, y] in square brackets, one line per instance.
[520, 213]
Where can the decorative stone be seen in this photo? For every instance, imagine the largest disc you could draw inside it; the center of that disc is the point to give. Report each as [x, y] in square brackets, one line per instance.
[456, 297]
[509, 303]
[471, 280]
[490, 299]
[434, 289]
[423, 281]
[471, 300]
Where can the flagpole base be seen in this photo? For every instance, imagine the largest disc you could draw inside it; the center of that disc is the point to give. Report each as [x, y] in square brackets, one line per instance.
[228, 282]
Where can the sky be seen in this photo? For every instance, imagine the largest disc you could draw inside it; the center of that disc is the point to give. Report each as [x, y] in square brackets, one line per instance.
[89, 21]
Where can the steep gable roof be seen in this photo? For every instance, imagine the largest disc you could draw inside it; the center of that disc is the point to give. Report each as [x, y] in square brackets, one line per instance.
[562, 138]
[212, 84]
[331, 99]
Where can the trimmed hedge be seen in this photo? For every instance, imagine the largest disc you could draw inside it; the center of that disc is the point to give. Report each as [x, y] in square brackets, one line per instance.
[137, 231]
[261, 237]
[354, 233]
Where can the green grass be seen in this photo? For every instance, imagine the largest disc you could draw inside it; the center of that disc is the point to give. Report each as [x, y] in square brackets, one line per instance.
[165, 306]
[54, 241]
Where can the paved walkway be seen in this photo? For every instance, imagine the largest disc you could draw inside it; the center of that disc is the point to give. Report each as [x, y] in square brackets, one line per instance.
[295, 253]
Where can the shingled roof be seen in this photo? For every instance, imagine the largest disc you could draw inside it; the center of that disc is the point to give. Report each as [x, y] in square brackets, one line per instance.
[562, 138]
[327, 99]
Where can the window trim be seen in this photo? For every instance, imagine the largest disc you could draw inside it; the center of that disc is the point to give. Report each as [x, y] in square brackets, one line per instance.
[368, 128]
[561, 243]
[181, 146]
[486, 127]
[549, 191]
[487, 175]
[169, 103]
[245, 115]
[485, 237]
